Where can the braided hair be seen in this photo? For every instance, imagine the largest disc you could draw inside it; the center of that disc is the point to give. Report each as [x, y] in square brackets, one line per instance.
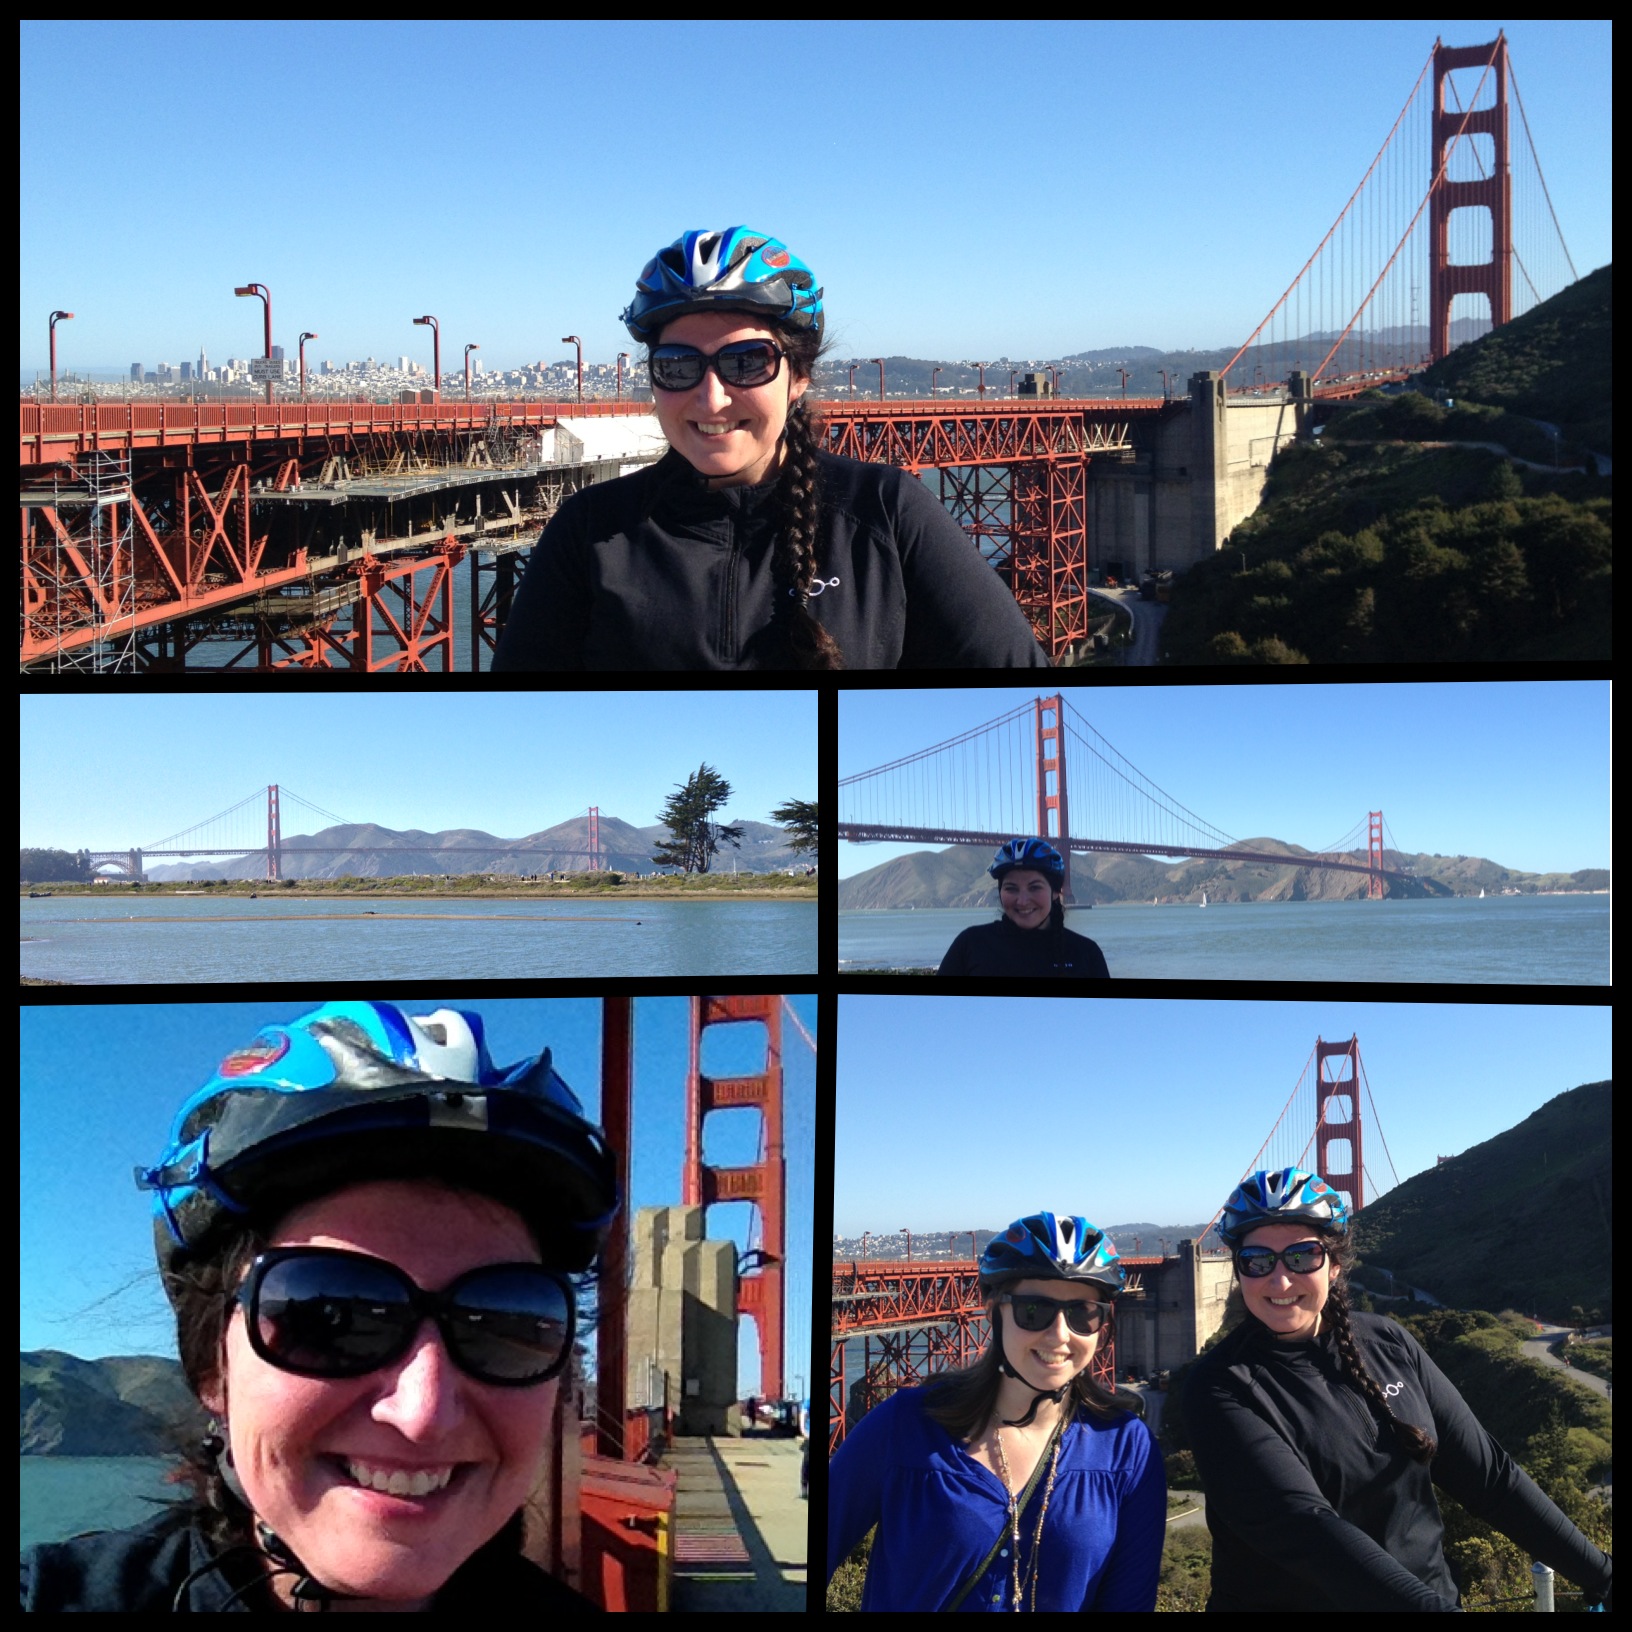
[798, 492]
[1414, 1441]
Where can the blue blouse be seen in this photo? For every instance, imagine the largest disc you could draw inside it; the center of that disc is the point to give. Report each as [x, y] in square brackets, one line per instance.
[938, 1512]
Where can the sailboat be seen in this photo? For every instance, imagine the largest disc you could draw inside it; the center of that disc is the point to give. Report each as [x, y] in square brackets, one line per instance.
[1481, 895]
[1204, 898]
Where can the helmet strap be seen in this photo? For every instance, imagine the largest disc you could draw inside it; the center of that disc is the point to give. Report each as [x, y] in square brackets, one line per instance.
[306, 1590]
[1056, 1394]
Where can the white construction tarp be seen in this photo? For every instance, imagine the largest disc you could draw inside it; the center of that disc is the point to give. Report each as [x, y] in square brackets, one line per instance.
[633, 438]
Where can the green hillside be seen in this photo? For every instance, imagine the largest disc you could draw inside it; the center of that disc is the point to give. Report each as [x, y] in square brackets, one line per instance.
[1519, 1222]
[1395, 537]
[1552, 363]
[124, 1405]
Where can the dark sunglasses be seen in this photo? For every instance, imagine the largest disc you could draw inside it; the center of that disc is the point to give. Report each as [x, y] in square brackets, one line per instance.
[324, 1312]
[1301, 1258]
[1033, 1313]
[743, 362]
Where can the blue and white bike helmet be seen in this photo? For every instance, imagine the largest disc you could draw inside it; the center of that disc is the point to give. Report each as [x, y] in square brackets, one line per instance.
[1037, 854]
[1052, 1247]
[737, 270]
[352, 1092]
[1286, 1196]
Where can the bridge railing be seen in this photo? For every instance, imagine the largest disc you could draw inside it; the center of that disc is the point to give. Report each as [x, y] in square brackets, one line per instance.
[69, 424]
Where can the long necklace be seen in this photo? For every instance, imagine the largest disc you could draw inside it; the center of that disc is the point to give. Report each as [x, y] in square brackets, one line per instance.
[1030, 1579]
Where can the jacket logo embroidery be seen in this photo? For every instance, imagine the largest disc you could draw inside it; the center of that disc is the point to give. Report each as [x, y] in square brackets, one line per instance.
[1391, 1389]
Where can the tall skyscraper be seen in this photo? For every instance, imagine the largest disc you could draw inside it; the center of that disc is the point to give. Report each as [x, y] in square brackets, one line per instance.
[136, 372]
[203, 363]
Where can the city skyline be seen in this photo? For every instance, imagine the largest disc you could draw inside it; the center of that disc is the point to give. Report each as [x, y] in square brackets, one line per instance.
[546, 235]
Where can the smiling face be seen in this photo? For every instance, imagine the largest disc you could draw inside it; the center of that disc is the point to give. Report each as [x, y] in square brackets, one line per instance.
[730, 434]
[301, 1444]
[1053, 1356]
[1025, 897]
[1289, 1305]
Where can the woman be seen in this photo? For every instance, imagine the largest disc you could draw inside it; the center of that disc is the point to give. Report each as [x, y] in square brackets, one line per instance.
[746, 547]
[368, 1234]
[1320, 1434]
[1030, 938]
[1020, 1482]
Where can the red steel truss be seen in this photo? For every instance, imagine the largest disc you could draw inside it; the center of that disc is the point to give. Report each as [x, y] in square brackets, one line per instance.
[760, 1291]
[1014, 474]
[144, 531]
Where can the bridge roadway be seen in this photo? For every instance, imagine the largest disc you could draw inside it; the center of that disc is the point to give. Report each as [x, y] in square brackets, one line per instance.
[50, 433]
[860, 833]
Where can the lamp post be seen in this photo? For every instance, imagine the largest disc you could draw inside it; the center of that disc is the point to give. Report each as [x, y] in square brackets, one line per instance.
[473, 346]
[56, 318]
[880, 362]
[1124, 373]
[1055, 375]
[908, 1234]
[853, 379]
[935, 374]
[436, 355]
[573, 340]
[308, 335]
[982, 368]
[623, 357]
[1012, 373]
[1167, 385]
[265, 294]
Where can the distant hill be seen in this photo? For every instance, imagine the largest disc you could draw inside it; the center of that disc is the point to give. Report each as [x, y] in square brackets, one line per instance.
[1521, 1221]
[124, 1405]
[957, 877]
[563, 847]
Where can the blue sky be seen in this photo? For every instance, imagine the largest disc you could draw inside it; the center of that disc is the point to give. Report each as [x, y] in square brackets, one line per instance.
[100, 1086]
[1514, 771]
[1154, 183]
[958, 1113]
[112, 772]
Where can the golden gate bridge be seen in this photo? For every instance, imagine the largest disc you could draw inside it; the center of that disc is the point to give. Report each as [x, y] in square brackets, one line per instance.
[236, 831]
[897, 1321]
[1008, 778]
[327, 535]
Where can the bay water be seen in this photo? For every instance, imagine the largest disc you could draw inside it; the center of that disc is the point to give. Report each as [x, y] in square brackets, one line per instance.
[64, 1496]
[173, 939]
[1519, 940]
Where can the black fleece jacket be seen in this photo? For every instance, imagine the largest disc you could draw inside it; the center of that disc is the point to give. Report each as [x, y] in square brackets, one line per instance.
[1311, 1503]
[657, 571]
[1000, 949]
[140, 1571]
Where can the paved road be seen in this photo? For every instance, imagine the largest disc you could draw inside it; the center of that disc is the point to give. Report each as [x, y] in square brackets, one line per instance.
[1147, 625]
[1540, 1348]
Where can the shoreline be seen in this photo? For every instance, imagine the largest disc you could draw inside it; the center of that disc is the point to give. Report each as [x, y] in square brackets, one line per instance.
[621, 893]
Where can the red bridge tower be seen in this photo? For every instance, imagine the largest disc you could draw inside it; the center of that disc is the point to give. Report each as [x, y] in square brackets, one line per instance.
[1337, 1112]
[764, 1183]
[1493, 192]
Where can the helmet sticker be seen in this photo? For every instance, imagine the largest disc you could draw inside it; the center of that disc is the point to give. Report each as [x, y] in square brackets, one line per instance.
[256, 1056]
[775, 257]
